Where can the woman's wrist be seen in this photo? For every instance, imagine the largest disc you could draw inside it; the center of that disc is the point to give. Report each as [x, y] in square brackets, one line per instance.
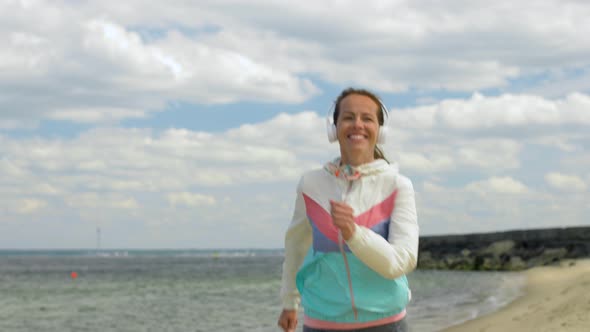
[348, 232]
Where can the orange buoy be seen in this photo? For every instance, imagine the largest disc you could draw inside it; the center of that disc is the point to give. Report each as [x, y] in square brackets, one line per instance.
[74, 274]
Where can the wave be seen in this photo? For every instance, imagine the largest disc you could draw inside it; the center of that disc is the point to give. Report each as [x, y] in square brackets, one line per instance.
[118, 253]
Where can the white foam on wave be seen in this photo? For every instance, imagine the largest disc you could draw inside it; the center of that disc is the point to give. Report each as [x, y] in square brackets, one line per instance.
[446, 298]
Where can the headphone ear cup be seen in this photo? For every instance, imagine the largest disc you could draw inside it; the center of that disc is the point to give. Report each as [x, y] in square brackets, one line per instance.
[332, 134]
[383, 132]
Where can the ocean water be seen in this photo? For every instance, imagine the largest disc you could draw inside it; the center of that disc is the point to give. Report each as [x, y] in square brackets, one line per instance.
[199, 290]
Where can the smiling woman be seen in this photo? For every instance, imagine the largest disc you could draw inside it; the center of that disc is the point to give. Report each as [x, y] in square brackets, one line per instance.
[354, 233]
[362, 116]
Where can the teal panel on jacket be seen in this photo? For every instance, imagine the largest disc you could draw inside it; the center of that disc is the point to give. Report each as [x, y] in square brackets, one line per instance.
[325, 294]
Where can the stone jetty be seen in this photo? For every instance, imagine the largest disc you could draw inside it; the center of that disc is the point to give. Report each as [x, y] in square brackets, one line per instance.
[503, 251]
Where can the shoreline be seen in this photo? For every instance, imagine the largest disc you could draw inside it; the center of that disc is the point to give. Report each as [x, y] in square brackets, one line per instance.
[555, 299]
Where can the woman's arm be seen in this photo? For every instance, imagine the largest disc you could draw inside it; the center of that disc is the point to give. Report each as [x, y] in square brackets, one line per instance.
[398, 255]
[297, 242]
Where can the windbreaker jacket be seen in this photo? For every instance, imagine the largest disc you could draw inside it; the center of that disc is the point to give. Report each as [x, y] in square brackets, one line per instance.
[361, 281]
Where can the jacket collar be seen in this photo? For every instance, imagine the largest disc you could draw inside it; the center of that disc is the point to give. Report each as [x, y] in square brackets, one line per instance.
[349, 172]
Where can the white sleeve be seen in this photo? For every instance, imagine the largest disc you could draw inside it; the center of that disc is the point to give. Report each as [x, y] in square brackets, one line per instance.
[297, 242]
[398, 255]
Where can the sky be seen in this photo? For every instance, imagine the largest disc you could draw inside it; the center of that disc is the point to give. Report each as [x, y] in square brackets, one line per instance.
[187, 124]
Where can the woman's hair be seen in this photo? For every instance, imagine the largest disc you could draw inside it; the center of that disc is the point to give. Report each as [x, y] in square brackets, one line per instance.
[377, 154]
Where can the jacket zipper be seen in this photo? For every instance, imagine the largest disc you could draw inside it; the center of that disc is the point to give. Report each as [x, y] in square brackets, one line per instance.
[341, 245]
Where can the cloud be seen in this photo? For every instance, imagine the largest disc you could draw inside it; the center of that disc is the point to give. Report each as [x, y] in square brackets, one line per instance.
[500, 203]
[432, 187]
[504, 111]
[96, 115]
[566, 142]
[489, 133]
[147, 172]
[420, 163]
[11, 169]
[127, 203]
[117, 176]
[82, 169]
[425, 46]
[30, 205]
[565, 182]
[96, 201]
[87, 69]
[561, 83]
[126, 63]
[190, 199]
[454, 151]
[98, 69]
[490, 153]
[498, 185]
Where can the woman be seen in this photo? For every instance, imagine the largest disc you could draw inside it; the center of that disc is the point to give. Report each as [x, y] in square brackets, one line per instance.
[354, 232]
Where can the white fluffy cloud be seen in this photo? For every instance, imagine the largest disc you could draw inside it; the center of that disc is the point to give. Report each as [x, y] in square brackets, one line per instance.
[485, 162]
[490, 133]
[116, 173]
[428, 164]
[502, 185]
[505, 111]
[190, 199]
[96, 115]
[28, 205]
[94, 200]
[109, 63]
[181, 162]
[501, 203]
[83, 67]
[565, 182]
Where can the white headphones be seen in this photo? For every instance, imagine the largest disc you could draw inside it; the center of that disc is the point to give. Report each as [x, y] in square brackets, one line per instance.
[383, 129]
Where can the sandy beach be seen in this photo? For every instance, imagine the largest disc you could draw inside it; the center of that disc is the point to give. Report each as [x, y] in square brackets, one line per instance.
[557, 298]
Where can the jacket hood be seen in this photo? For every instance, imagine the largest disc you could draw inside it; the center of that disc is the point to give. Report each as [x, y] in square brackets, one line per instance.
[349, 172]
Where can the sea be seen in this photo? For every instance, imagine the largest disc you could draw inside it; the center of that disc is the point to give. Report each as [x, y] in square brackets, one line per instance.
[200, 290]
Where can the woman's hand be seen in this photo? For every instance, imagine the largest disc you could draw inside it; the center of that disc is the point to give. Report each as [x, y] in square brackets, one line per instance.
[343, 218]
[288, 320]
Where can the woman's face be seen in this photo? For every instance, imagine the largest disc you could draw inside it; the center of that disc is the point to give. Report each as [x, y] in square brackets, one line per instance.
[357, 127]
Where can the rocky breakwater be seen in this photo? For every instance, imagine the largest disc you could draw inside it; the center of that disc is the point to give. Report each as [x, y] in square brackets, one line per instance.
[508, 251]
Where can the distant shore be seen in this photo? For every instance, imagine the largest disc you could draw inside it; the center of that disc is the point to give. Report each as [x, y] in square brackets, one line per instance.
[556, 299]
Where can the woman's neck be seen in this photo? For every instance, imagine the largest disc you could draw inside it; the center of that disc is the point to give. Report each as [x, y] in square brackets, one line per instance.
[356, 160]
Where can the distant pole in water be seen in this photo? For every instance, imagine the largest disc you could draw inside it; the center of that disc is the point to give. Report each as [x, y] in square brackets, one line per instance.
[97, 238]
